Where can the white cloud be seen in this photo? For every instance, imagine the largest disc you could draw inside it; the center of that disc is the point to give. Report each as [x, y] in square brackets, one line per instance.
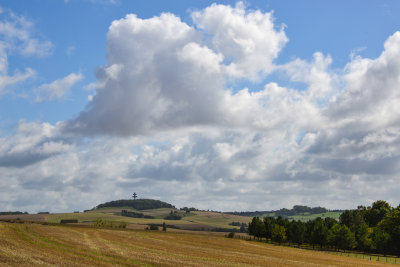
[321, 82]
[58, 88]
[16, 38]
[165, 64]
[32, 143]
[248, 40]
[17, 35]
[189, 140]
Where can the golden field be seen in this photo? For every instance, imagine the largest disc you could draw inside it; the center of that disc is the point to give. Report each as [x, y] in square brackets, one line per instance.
[55, 245]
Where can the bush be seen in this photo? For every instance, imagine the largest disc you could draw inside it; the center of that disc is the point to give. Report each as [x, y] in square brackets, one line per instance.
[103, 223]
[231, 235]
[153, 227]
[69, 221]
[173, 216]
[122, 224]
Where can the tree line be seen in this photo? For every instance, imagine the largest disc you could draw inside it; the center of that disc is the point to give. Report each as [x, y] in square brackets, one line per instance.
[296, 210]
[369, 229]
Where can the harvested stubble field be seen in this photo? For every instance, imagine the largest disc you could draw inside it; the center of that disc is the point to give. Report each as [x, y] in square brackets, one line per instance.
[34, 245]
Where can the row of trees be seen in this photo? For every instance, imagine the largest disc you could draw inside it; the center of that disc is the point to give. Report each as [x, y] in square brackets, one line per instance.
[370, 229]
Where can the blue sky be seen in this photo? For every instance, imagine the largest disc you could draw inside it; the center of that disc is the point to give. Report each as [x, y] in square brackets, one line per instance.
[318, 109]
[78, 31]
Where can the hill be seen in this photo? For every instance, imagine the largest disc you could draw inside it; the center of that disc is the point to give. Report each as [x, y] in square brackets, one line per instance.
[138, 204]
[298, 212]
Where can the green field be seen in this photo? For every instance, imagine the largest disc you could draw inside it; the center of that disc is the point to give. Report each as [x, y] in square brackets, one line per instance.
[307, 217]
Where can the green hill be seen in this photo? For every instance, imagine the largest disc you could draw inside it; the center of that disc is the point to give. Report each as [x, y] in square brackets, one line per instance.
[138, 204]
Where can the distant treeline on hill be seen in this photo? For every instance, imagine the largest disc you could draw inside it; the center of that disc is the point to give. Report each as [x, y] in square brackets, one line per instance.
[296, 210]
[138, 204]
[12, 212]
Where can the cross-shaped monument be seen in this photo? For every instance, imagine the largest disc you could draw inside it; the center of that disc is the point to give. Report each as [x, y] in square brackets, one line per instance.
[134, 196]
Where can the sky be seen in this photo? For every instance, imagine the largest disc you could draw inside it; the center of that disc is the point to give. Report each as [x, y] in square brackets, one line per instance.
[220, 105]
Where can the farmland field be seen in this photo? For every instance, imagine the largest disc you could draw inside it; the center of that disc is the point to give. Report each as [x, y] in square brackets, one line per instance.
[35, 244]
[194, 220]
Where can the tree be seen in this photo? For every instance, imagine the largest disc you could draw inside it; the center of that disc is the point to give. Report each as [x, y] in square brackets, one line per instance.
[296, 232]
[333, 236]
[347, 239]
[380, 240]
[352, 218]
[259, 230]
[256, 227]
[309, 228]
[243, 228]
[390, 224]
[363, 238]
[319, 233]
[282, 221]
[340, 236]
[269, 223]
[329, 222]
[279, 233]
[252, 226]
[377, 212]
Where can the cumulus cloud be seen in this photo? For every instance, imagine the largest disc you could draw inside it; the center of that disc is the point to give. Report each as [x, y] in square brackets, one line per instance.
[321, 81]
[163, 73]
[162, 122]
[58, 88]
[248, 40]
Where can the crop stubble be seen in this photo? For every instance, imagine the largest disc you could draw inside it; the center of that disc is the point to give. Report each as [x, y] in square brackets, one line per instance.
[34, 244]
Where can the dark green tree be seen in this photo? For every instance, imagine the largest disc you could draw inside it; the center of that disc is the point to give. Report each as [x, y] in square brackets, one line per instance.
[296, 232]
[252, 226]
[256, 227]
[380, 240]
[329, 222]
[390, 224]
[319, 233]
[259, 229]
[282, 221]
[269, 223]
[352, 218]
[374, 214]
[333, 236]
